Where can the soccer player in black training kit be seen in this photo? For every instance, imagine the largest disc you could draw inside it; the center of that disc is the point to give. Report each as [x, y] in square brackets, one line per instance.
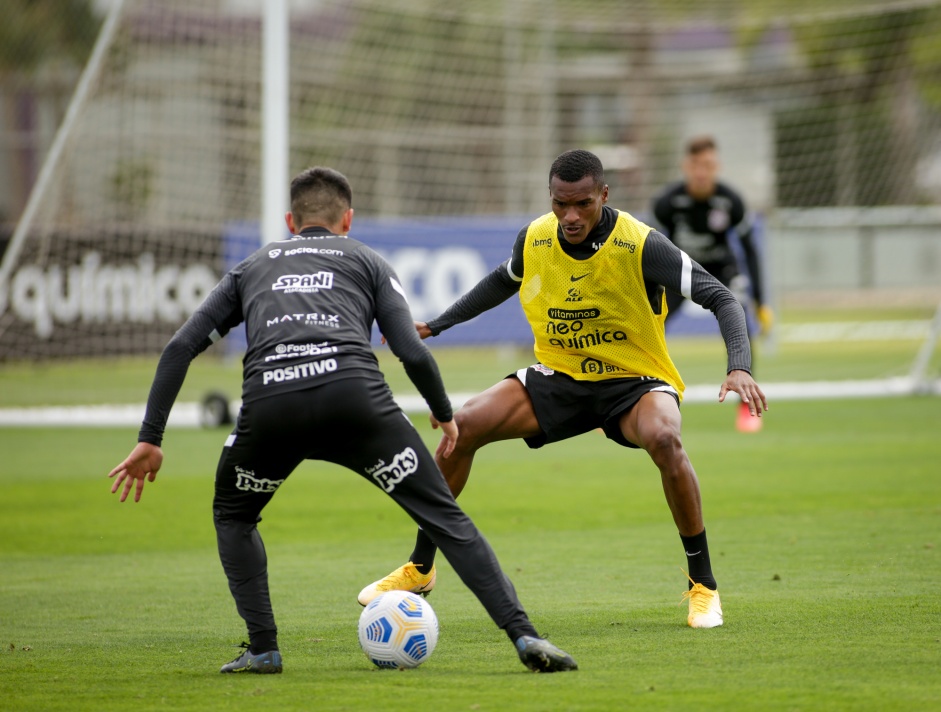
[312, 389]
[697, 214]
[591, 282]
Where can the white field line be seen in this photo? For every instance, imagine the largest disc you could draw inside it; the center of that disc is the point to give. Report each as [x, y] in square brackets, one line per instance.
[187, 415]
[914, 330]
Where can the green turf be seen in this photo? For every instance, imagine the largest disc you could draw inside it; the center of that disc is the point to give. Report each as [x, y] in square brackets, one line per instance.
[700, 360]
[825, 531]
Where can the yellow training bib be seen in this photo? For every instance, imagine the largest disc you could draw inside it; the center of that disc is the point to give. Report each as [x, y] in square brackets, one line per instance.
[591, 319]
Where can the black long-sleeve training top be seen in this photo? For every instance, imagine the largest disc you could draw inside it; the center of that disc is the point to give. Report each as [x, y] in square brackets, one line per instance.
[701, 229]
[663, 266]
[308, 304]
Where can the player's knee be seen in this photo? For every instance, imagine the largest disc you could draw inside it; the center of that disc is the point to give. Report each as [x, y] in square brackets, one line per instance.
[234, 518]
[664, 445]
[470, 434]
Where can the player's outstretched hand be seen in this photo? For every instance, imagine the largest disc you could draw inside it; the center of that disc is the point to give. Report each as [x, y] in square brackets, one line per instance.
[143, 463]
[742, 383]
[448, 437]
[421, 327]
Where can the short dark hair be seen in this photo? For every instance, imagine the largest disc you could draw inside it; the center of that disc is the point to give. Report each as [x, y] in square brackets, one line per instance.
[700, 144]
[320, 194]
[574, 165]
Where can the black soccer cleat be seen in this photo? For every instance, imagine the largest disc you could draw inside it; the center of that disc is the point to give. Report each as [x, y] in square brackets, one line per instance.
[261, 664]
[539, 655]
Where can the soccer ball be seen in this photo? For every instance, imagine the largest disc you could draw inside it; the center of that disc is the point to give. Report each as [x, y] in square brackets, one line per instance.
[398, 630]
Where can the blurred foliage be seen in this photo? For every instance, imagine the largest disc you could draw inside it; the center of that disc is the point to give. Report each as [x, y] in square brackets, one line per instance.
[869, 78]
[926, 58]
[34, 32]
[132, 185]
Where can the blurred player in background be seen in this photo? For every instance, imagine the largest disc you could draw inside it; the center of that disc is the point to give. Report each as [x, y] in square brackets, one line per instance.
[591, 283]
[312, 389]
[697, 214]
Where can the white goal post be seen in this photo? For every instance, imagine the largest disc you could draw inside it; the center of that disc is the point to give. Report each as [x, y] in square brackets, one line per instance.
[51, 163]
[276, 126]
[922, 380]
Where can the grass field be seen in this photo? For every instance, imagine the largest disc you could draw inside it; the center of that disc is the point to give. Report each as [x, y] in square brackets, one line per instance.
[825, 531]
[463, 369]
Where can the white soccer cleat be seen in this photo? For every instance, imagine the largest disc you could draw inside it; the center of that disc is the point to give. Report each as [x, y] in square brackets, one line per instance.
[404, 578]
[705, 610]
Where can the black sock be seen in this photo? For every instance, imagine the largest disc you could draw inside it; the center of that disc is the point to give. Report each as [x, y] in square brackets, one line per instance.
[424, 554]
[264, 642]
[697, 559]
[518, 631]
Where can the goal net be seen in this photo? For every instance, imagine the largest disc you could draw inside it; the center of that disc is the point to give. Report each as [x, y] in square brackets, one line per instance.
[449, 114]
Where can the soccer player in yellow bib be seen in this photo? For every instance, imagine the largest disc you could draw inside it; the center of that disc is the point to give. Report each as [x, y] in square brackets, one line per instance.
[592, 280]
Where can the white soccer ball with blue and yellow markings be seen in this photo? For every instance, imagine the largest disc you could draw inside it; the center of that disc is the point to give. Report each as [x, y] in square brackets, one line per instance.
[398, 630]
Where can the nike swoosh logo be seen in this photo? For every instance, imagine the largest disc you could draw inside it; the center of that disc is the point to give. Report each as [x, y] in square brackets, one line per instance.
[693, 553]
[575, 279]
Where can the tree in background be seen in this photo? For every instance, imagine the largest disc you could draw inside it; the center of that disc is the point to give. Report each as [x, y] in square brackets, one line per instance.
[858, 138]
[43, 46]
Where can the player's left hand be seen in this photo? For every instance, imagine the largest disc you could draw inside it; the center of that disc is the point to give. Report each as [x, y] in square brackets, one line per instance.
[448, 437]
[765, 318]
[143, 463]
[424, 331]
[742, 383]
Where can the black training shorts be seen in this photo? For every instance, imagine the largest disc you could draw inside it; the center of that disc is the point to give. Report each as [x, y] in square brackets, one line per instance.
[353, 422]
[566, 407]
